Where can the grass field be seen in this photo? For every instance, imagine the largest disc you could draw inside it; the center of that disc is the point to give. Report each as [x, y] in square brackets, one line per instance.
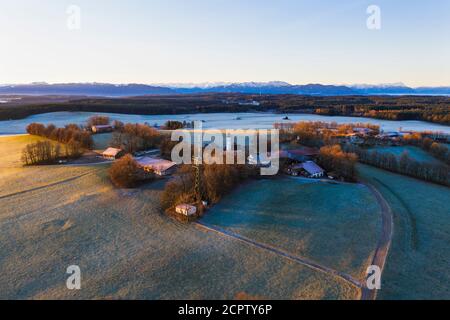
[419, 260]
[55, 216]
[414, 152]
[336, 225]
[16, 178]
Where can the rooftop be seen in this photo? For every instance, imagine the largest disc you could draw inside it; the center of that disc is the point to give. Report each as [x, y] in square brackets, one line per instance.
[309, 166]
[102, 126]
[111, 152]
[155, 164]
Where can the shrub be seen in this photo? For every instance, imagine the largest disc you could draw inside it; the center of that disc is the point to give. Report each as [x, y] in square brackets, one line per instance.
[125, 173]
[216, 181]
[333, 158]
[437, 173]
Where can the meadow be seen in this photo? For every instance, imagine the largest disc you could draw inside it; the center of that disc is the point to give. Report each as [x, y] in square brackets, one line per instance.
[334, 224]
[55, 216]
[419, 259]
[102, 141]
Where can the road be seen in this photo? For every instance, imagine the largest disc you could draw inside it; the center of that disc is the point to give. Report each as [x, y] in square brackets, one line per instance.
[384, 244]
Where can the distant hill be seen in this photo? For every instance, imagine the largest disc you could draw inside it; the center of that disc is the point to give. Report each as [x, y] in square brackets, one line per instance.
[276, 87]
[85, 89]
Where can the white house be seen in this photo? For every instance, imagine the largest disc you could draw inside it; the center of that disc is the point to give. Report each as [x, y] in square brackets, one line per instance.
[313, 169]
[310, 168]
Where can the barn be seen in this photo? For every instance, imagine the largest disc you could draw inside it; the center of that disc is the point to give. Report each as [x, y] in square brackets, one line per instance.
[102, 128]
[112, 153]
[160, 167]
[309, 169]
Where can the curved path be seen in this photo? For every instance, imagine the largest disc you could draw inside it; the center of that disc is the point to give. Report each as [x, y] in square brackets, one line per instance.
[303, 261]
[384, 244]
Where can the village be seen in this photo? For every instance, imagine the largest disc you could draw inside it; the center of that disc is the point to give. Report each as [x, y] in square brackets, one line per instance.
[301, 154]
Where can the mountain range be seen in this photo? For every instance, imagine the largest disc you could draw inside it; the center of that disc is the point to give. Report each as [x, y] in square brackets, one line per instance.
[275, 87]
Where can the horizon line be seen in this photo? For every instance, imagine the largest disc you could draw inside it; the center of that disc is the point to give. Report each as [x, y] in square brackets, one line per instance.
[221, 83]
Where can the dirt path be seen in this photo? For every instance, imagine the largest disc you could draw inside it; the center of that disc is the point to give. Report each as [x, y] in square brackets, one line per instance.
[382, 250]
[303, 261]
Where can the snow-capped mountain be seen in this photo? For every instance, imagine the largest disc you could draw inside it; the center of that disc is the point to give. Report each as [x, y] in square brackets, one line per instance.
[272, 87]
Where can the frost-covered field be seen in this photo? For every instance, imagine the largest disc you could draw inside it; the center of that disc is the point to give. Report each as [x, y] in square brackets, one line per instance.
[419, 260]
[213, 120]
[337, 225]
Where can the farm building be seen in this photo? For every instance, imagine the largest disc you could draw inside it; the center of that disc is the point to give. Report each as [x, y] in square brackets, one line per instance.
[102, 128]
[112, 153]
[309, 169]
[362, 131]
[389, 135]
[186, 209]
[298, 155]
[160, 167]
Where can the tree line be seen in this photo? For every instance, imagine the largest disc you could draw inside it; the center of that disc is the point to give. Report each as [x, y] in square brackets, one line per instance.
[71, 134]
[438, 150]
[216, 181]
[427, 108]
[338, 162]
[46, 152]
[437, 173]
[135, 137]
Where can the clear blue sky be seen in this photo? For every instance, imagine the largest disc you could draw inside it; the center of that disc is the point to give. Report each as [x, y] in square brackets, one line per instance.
[167, 41]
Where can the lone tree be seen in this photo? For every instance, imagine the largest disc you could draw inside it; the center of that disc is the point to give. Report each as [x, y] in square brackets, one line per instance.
[125, 173]
[173, 125]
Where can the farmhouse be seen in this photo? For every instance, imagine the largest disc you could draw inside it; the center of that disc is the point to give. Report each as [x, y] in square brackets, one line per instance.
[112, 153]
[186, 209]
[160, 167]
[102, 128]
[309, 169]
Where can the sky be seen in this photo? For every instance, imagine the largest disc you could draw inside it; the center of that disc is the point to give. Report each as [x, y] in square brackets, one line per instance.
[197, 41]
